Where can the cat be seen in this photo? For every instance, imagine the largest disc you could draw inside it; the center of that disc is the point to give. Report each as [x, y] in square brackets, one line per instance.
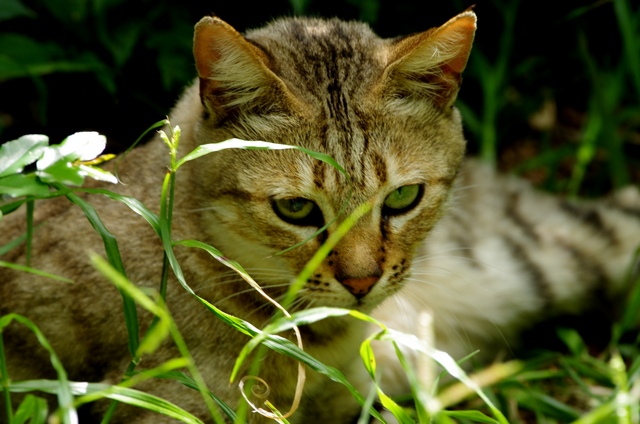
[497, 256]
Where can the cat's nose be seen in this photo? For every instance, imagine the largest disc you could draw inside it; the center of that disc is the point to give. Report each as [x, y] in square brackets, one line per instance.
[359, 287]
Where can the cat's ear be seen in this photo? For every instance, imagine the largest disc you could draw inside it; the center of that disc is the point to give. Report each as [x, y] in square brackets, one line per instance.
[233, 72]
[429, 64]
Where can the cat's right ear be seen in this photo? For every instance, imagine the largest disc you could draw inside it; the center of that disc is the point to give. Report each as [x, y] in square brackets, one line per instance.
[430, 64]
[233, 72]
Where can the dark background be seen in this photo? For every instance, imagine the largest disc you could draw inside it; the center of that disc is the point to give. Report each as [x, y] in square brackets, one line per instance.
[117, 66]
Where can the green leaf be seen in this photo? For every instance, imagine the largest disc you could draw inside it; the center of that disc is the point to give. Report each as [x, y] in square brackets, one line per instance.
[67, 11]
[442, 358]
[156, 334]
[151, 403]
[421, 394]
[51, 386]
[17, 154]
[14, 243]
[62, 390]
[115, 259]
[10, 9]
[22, 56]
[26, 50]
[32, 408]
[299, 6]
[276, 343]
[236, 143]
[573, 340]
[545, 404]
[191, 383]
[123, 39]
[97, 174]
[23, 185]
[395, 409]
[33, 271]
[305, 317]
[476, 416]
[121, 394]
[62, 172]
[368, 358]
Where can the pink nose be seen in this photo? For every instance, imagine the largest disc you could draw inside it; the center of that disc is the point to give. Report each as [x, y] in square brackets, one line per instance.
[359, 287]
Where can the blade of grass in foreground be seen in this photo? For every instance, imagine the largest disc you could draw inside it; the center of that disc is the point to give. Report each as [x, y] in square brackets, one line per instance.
[118, 393]
[68, 413]
[167, 325]
[408, 340]
[32, 409]
[33, 271]
[113, 253]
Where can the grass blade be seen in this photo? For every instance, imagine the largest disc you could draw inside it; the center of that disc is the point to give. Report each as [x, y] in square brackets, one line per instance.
[33, 409]
[113, 254]
[33, 271]
[65, 398]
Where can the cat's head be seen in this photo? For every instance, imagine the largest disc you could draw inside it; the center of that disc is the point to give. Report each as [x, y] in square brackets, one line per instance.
[382, 108]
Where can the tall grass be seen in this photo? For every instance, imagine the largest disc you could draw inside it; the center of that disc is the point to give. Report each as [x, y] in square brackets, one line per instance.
[580, 386]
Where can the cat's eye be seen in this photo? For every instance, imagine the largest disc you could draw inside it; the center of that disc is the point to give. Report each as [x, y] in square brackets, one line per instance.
[298, 211]
[402, 199]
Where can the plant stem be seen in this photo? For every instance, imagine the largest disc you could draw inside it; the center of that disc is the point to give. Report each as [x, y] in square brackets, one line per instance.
[4, 380]
[30, 204]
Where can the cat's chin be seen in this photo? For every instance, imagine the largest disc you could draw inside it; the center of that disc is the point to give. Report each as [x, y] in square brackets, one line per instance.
[337, 299]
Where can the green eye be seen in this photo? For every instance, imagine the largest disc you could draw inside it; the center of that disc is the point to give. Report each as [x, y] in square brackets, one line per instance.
[402, 199]
[295, 211]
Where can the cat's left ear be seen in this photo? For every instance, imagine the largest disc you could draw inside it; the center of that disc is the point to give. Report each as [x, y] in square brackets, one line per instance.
[429, 64]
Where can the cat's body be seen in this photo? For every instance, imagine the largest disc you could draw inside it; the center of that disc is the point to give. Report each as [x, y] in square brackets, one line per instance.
[502, 257]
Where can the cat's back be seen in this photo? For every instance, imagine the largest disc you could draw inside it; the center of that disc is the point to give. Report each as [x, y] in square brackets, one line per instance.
[73, 314]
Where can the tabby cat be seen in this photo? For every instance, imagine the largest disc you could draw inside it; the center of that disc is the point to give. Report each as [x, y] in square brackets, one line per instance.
[497, 256]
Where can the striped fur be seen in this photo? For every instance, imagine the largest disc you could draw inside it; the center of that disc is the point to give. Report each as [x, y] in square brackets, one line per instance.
[501, 257]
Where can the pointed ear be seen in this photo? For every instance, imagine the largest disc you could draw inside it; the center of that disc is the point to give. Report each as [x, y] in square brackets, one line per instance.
[429, 64]
[232, 71]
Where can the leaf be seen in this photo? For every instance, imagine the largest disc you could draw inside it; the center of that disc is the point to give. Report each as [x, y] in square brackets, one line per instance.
[123, 39]
[28, 51]
[62, 172]
[190, 382]
[33, 271]
[395, 409]
[32, 408]
[573, 340]
[10, 9]
[307, 316]
[67, 11]
[476, 416]
[368, 358]
[276, 343]
[121, 394]
[97, 174]
[442, 358]
[14, 243]
[23, 185]
[115, 259]
[545, 404]
[17, 154]
[151, 403]
[236, 143]
[62, 390]
[81, 146]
